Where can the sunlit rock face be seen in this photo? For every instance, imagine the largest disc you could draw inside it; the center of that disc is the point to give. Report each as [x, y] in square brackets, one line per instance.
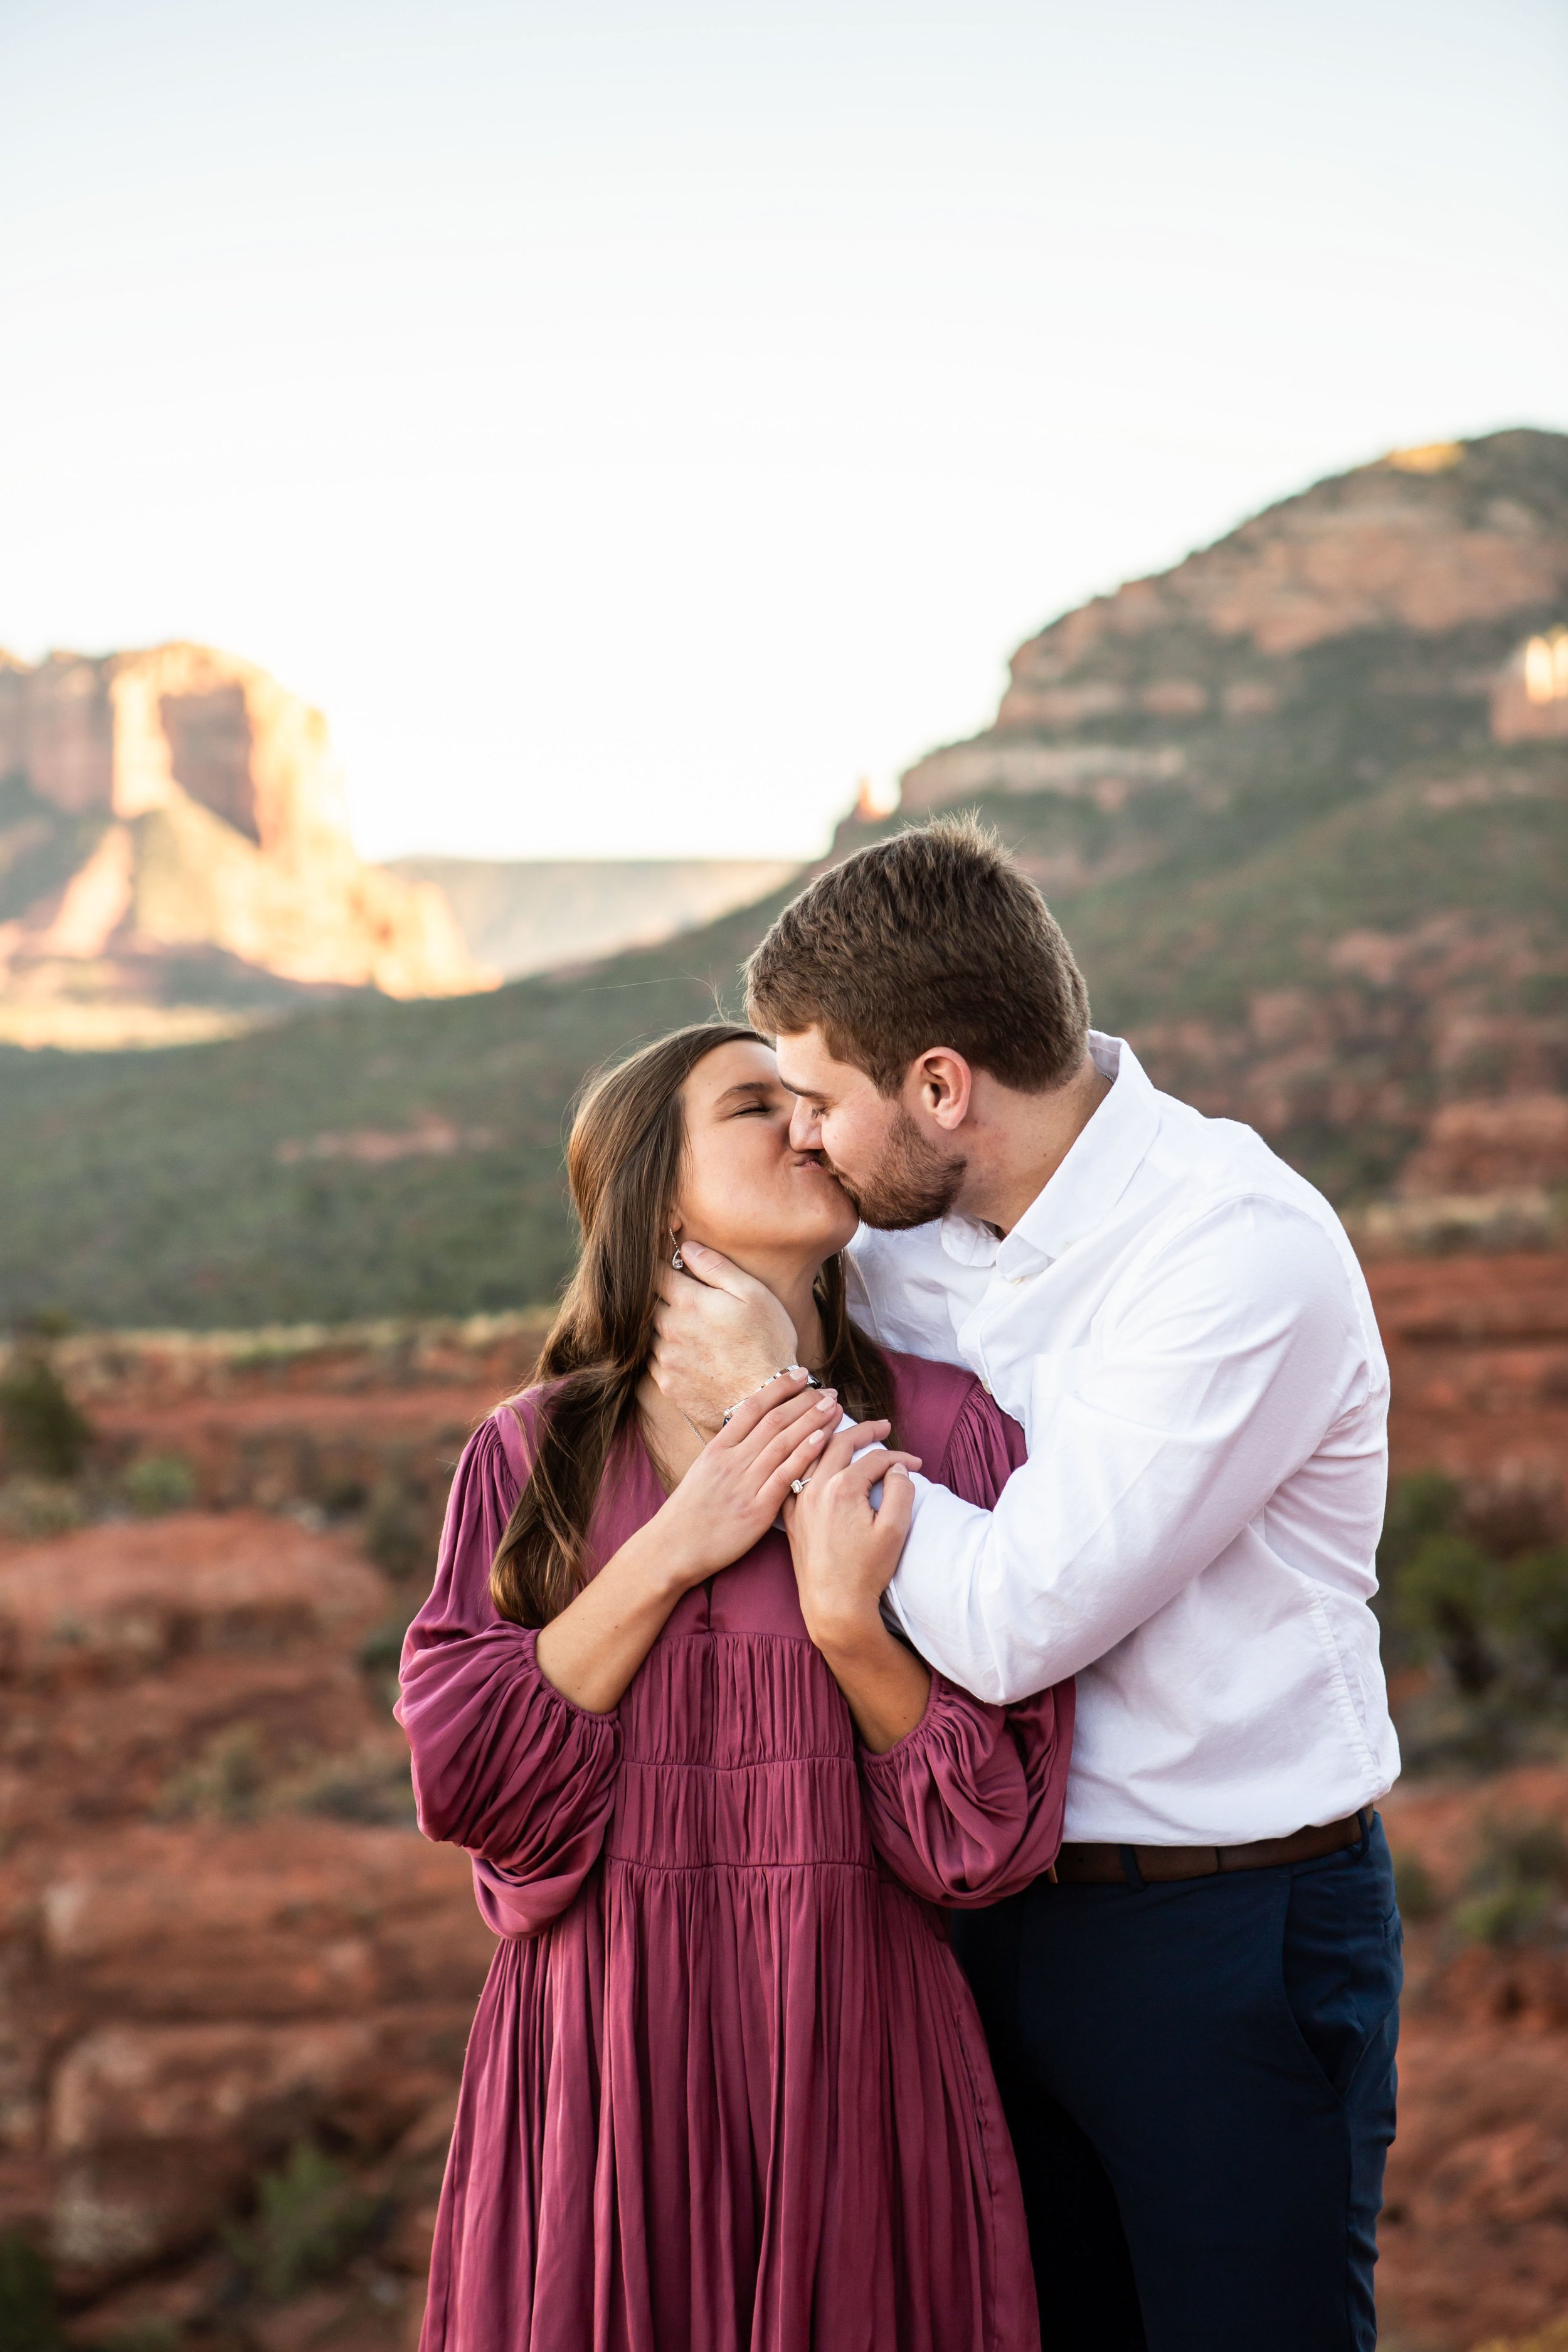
[174, 844]
[1428, 550]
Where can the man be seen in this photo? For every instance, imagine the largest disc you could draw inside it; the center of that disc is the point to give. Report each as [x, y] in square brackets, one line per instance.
[1194, 2022]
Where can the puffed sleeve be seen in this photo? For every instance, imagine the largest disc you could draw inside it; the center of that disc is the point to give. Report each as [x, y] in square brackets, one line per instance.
[503, 1763]
[968, 1806]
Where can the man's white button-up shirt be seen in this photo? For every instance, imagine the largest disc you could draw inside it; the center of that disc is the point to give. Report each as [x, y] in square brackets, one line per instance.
[1181, 1326]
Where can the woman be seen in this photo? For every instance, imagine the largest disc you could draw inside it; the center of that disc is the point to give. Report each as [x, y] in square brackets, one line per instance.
[726, 2091]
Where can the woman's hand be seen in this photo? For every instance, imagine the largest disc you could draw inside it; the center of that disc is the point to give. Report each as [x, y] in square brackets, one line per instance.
[845, 1552]
[738, 1483]
[729, 1497]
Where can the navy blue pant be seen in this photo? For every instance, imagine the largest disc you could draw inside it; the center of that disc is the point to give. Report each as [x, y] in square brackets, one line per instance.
[1199, 2079]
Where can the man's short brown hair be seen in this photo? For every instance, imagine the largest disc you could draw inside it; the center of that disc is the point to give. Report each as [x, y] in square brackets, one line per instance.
[932, 938]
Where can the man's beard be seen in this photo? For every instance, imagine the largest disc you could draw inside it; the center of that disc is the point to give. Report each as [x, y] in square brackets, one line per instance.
[914, 1182]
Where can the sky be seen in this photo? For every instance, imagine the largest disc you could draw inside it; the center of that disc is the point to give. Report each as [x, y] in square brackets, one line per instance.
[633, 426]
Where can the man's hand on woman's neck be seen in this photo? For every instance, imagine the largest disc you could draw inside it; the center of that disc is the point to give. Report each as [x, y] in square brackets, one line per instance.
[725, 1328]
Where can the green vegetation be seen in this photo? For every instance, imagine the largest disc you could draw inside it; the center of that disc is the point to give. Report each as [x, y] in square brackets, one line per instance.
[371, 1787]
[44, 1433]
[29, 2315]
[224, 1783]
[310, 2220]
[1329, 886]
[159, 1187]
[397, 1532]
[34, 1508]
[156, 1483]
[1491, 1625]
[1517, 1889]
[1415, 1888]
[381, 1652]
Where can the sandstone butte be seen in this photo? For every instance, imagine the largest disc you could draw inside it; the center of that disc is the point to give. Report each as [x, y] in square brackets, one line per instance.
[1407, 547]
[220, 1935]
[177, 856]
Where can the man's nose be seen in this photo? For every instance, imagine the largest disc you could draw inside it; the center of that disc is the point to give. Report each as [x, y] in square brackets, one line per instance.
[801, 1128]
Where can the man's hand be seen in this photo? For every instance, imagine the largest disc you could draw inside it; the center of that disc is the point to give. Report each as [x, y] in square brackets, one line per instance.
[721, 1335]
[845, 1552]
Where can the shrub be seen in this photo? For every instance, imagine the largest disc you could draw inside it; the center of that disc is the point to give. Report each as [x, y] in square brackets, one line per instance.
[1553, 2338]
[44, 1430]
[1417, 1891]
[1517, 1884]
[1497, 1627]
[29, 2317]
[224, 1784]
[156, 1483]
[369, 1786]
[310, 2219]
[1535, 1602]
[395, 1534]
[1449, 1598]
[37, 1507]
[381, 1652]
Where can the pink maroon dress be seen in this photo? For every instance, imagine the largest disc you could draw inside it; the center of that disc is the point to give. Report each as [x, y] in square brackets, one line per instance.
[726, 2090]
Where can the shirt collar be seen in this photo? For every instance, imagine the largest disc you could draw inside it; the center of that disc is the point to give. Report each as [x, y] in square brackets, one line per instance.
[1090, 1181]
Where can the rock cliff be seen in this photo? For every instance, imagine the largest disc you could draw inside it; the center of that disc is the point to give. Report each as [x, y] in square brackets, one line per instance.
[1302, 805]
[1461, 550]
[175, 856]
[220, 1937]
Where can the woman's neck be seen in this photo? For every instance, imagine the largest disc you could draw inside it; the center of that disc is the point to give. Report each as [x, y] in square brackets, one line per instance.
[796, 1294]
[674, 1440]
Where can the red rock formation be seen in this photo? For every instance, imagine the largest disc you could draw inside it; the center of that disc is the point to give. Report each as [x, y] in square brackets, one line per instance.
[188, 804]
[1474, 2240]
[204, 1959]
[1390, 549]
[214, 1941]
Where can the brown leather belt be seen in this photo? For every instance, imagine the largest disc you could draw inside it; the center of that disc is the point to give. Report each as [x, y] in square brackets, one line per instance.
[1153, 1865]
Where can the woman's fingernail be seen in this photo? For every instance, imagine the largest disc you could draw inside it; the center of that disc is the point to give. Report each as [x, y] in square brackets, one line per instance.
[817, 1437]
[826, 1404]
[897, 1470]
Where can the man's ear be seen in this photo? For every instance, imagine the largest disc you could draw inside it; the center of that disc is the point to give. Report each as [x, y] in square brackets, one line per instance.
[944, 1085]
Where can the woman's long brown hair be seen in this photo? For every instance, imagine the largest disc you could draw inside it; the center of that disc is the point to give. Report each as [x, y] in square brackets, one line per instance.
[623, 1166]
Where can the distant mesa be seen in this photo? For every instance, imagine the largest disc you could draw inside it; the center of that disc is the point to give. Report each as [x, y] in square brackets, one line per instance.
[175, 860]
[1424, 544]
[525, 915]
[175, 865]
[1300, 804]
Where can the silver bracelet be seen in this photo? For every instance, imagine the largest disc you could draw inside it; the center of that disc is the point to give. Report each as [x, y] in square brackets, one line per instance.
[782, 1374]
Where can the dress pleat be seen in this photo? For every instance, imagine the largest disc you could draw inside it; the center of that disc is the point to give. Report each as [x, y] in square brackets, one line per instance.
[726, 2090]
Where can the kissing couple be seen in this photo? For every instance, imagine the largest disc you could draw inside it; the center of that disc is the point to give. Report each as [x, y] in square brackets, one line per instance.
[905, 1678]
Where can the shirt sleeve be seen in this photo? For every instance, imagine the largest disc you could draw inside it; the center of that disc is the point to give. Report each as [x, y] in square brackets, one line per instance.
[1237, 1350]
[968, 1807]
[503, 1763]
